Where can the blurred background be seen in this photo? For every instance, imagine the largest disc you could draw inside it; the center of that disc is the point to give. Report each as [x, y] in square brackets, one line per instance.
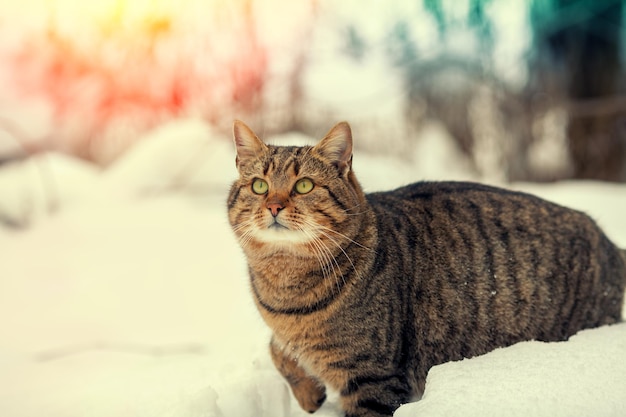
[525, 90]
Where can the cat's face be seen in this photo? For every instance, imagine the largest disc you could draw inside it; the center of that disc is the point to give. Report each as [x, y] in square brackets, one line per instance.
[290, 197]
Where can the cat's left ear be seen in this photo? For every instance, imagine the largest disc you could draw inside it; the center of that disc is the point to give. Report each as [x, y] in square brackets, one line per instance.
[337, 147]
[249, 146]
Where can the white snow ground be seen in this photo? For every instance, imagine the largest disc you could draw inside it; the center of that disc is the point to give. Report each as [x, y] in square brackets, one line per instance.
[132, 298]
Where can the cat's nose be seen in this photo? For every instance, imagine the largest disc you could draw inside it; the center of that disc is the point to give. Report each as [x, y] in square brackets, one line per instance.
[274, 208]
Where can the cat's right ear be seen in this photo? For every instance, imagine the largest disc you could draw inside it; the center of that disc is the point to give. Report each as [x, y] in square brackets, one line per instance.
[337, 147]
[249, 146]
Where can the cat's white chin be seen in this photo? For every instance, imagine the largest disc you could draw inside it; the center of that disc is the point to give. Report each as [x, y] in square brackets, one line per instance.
[282, 236]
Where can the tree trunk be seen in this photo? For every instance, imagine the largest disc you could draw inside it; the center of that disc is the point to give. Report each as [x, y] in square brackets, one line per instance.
[588, 46]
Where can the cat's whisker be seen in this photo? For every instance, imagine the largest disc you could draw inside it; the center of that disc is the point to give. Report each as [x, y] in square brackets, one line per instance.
[322, 229]
[244, 231]
[328, 264]
[358, 213]
[243, 224]
[343, 251]
[245, 238]
[328, 229]
[319, 255]
[327, 261]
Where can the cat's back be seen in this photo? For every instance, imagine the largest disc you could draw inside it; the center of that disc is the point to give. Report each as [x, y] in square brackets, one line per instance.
[488, 209]
[500, 258]
[428, 193]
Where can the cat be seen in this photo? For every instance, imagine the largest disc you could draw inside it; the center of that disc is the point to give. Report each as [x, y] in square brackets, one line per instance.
[364, 293]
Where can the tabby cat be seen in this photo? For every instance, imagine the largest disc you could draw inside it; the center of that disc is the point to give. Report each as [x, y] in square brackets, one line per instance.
[364, 293]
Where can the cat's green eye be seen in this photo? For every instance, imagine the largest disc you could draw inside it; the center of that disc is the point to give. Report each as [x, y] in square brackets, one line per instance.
[304, 186]
[259, 186]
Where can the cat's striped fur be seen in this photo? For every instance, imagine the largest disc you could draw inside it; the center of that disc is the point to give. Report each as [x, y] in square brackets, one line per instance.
[365, 293]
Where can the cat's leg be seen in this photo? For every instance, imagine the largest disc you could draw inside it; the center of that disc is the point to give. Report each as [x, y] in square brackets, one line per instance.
[375, 396]
[309, 391]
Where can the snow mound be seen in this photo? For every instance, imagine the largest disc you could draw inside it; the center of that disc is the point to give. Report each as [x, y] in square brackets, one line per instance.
[42, 184]
[585, 376]
[182, 155]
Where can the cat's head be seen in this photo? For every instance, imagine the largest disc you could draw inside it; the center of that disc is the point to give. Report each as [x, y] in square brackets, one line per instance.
[288, 197]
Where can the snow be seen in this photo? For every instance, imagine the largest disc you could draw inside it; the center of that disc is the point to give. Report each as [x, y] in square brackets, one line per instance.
[131, 297]
[583, 377]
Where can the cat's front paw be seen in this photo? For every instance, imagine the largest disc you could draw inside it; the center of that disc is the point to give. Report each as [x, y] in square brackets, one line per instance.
[310, 394]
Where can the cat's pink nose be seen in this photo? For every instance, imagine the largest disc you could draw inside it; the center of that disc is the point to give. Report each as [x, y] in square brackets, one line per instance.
[275, 208]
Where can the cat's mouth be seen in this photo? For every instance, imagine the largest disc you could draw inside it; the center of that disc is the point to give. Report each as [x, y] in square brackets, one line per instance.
[277, 226]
